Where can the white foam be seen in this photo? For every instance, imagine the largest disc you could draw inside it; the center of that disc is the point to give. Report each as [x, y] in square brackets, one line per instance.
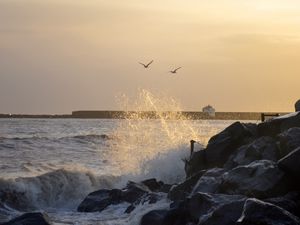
[56, 190]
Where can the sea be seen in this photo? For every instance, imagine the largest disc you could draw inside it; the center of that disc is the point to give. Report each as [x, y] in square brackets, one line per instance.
[51, 165]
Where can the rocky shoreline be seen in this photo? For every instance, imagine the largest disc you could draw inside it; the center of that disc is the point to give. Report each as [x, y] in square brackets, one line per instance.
[248, 174]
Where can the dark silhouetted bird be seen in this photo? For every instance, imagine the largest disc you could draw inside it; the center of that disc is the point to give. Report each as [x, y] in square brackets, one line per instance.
[174, 71]
[146, 65]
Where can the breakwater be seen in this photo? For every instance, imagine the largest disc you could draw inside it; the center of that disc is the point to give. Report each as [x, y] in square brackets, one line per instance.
[193, 115]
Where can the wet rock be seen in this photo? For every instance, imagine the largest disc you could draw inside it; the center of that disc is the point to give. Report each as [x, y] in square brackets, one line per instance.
[196, 164]
[290, 164]
[290, 202]
[179, 216]
[220, 147]
[149, 198]
[134, 193]
[167, 217]
[210, 181]
[261, 148]
[180, 191]
[29, 219]
[153, 184]
[261, 179]
[203, 204]
[226, 214]
[157, 186]
[99, 200]
[279, 124]
[154, 217]
[257, 212]
[289, 140]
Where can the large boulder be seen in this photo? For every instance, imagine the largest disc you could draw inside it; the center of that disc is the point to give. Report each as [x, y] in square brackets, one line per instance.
[289, 140]
[176, 216]
[99, 200]
[261, 148]
[154, 217]
[210, 181]
[220, 147]
[226, 214]
[259, 179]
[290, 202]
[29, 219]
[257, 212]
[290, 164]
[202, 204]
[201, 208]
[181, 191]
[279, 124]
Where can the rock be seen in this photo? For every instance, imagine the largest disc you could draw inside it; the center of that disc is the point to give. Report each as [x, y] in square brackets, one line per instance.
[178, 217]
[261, 179]
[156, 186]
[29, 219]
[154, 217]
[220, 147]
[289, 140]
[134, 193]
[297, 106]
[257, 212]
[180, 191]
[196, 164]
[226, 214]
[203, 204]
[279, 124]
[199, 207]
[99, 200]
[290, 202]
[290, 164]
[149, 198]
[167, 217]
[210, 181]
[195, 207]
[261, 148]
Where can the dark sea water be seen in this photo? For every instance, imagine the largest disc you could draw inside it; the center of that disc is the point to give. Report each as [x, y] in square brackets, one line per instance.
[50, 165]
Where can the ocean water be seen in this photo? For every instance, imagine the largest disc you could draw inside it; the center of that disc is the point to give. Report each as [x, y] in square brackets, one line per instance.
[50, 165]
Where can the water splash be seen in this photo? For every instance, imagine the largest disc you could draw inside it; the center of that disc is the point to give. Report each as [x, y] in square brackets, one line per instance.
[154, 128]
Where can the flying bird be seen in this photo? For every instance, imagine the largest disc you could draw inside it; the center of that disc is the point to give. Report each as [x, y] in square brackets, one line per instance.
[174, 71]
[146, 65]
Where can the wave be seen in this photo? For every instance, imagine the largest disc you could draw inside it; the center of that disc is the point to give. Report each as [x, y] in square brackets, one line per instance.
[88, 137]
[54, 190]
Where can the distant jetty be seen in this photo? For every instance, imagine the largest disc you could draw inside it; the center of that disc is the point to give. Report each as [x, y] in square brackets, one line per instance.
[148, 115]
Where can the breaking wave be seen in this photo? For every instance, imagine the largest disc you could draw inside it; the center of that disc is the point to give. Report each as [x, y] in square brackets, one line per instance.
[54, 190]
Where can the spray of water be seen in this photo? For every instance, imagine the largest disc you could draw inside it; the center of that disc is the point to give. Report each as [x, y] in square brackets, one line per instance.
[150, 143]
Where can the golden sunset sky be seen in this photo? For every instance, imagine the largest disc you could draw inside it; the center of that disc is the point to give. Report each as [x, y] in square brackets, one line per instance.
[62, 55]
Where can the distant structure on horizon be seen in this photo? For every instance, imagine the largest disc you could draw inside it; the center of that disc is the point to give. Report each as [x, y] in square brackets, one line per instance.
[209, 110]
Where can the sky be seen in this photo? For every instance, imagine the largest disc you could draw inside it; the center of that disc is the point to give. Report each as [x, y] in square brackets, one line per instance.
[57, 56]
